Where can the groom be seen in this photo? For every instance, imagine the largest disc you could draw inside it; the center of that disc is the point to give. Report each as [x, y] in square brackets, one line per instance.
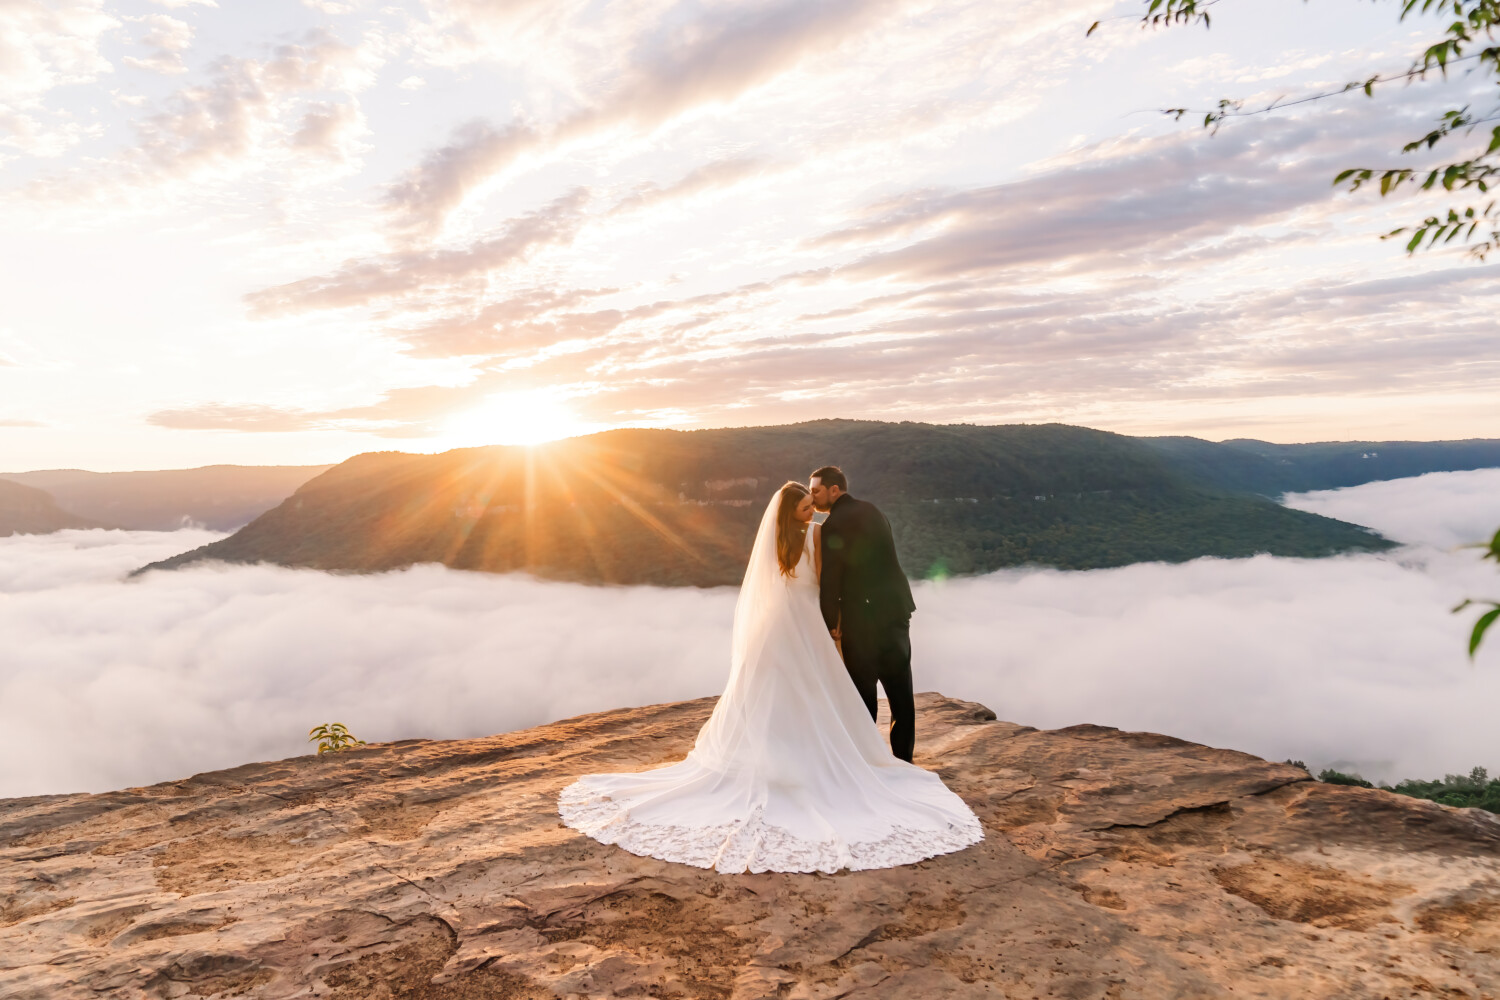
[866, 601]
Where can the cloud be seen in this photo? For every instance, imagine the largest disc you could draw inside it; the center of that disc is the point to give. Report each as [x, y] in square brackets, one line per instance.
[689, 62]
[51, 44]
[426, 195]
[225, 416]
[1119, 269]
[1348, 661]
[877, 207]
[1129, 198]
[711, 176]
[39, 563]
[541, 319]
[225, 119]
[410, 271]
[530, 319]
[169, 38]
[428, 275]
[21, 423]
[46, 44]
[1403, 509]
[181, 672]
[245, 116]
[407, 412]
[328, 130]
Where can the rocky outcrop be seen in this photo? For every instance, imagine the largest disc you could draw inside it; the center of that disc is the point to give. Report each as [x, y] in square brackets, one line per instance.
[1116, 865]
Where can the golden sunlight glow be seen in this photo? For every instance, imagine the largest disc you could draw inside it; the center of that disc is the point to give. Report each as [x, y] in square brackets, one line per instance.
[527, 417]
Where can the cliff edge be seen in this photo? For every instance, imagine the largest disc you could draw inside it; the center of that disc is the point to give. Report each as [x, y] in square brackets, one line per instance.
[1116, 865]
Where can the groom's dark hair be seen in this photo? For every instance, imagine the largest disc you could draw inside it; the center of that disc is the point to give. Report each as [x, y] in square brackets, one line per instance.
[832, 475]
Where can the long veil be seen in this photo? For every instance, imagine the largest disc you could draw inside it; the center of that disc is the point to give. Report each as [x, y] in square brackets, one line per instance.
[737, 728]
[763, 585]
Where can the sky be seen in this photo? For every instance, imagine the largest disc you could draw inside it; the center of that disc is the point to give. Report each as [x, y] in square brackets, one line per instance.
[291, 231]
[1353, 662]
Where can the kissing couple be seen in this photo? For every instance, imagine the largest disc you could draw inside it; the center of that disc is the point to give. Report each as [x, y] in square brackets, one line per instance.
[790, 773]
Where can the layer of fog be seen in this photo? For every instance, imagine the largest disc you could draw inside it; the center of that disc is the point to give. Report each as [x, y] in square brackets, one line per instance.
[1353, 661]
[1442, 509]
[53, 562]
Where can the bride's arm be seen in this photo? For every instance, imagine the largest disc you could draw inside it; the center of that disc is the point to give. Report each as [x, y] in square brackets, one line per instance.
[817, 530]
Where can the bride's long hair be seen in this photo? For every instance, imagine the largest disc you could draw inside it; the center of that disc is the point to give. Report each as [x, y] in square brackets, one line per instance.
[763, 593]
[791, 533]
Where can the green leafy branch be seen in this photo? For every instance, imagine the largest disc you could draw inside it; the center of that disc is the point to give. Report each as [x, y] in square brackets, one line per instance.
[1469, 38]
[1489, 617]
[1160, 13]
[333, 737]
[1236, 109]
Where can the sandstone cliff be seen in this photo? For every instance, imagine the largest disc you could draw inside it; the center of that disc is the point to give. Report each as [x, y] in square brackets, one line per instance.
[1116, 865]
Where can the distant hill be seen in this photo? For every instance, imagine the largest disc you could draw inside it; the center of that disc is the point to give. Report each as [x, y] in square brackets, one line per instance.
[1272, 469]
[28, 511]
[221, 497]
[681, 507]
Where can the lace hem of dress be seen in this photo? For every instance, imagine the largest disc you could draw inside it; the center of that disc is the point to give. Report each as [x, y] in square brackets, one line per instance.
[752, 845]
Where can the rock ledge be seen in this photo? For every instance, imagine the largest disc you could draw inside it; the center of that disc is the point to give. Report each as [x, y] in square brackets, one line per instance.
[1116, 865]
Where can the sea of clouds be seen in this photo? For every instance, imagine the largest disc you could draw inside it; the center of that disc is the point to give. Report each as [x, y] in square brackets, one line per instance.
[1353, 662]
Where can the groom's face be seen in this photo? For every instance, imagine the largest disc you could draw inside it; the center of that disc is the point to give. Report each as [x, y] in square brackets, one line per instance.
[822, 496]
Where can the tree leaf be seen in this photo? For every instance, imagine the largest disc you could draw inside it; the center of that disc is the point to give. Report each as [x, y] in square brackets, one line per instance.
[1480, 627]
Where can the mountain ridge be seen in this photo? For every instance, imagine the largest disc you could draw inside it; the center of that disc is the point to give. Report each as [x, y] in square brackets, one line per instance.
[219, 497]
[672, 507]
[25, 510]
[1272, 469]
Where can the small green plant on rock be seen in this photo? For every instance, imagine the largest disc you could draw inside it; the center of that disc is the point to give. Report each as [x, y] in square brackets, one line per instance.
[1331, 777]
[333, 736]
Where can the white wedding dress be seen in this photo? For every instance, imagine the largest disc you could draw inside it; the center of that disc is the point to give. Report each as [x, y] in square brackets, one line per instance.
[789, 774]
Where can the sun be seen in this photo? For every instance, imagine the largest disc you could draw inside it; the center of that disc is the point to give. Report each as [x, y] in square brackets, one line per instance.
[526, 417]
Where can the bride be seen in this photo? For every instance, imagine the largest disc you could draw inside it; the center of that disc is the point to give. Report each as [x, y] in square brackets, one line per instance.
[789, 773]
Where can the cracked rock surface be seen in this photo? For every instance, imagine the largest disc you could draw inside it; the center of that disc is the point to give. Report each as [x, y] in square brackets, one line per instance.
[1116, 865]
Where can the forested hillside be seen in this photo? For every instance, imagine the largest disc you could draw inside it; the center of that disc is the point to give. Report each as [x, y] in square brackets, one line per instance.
[1273, 469]
[680, 507]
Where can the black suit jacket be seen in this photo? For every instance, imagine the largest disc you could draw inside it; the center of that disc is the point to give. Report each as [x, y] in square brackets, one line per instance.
[862, 582]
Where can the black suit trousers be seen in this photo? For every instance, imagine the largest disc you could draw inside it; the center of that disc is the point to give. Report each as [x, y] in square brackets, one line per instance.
[880, 652]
